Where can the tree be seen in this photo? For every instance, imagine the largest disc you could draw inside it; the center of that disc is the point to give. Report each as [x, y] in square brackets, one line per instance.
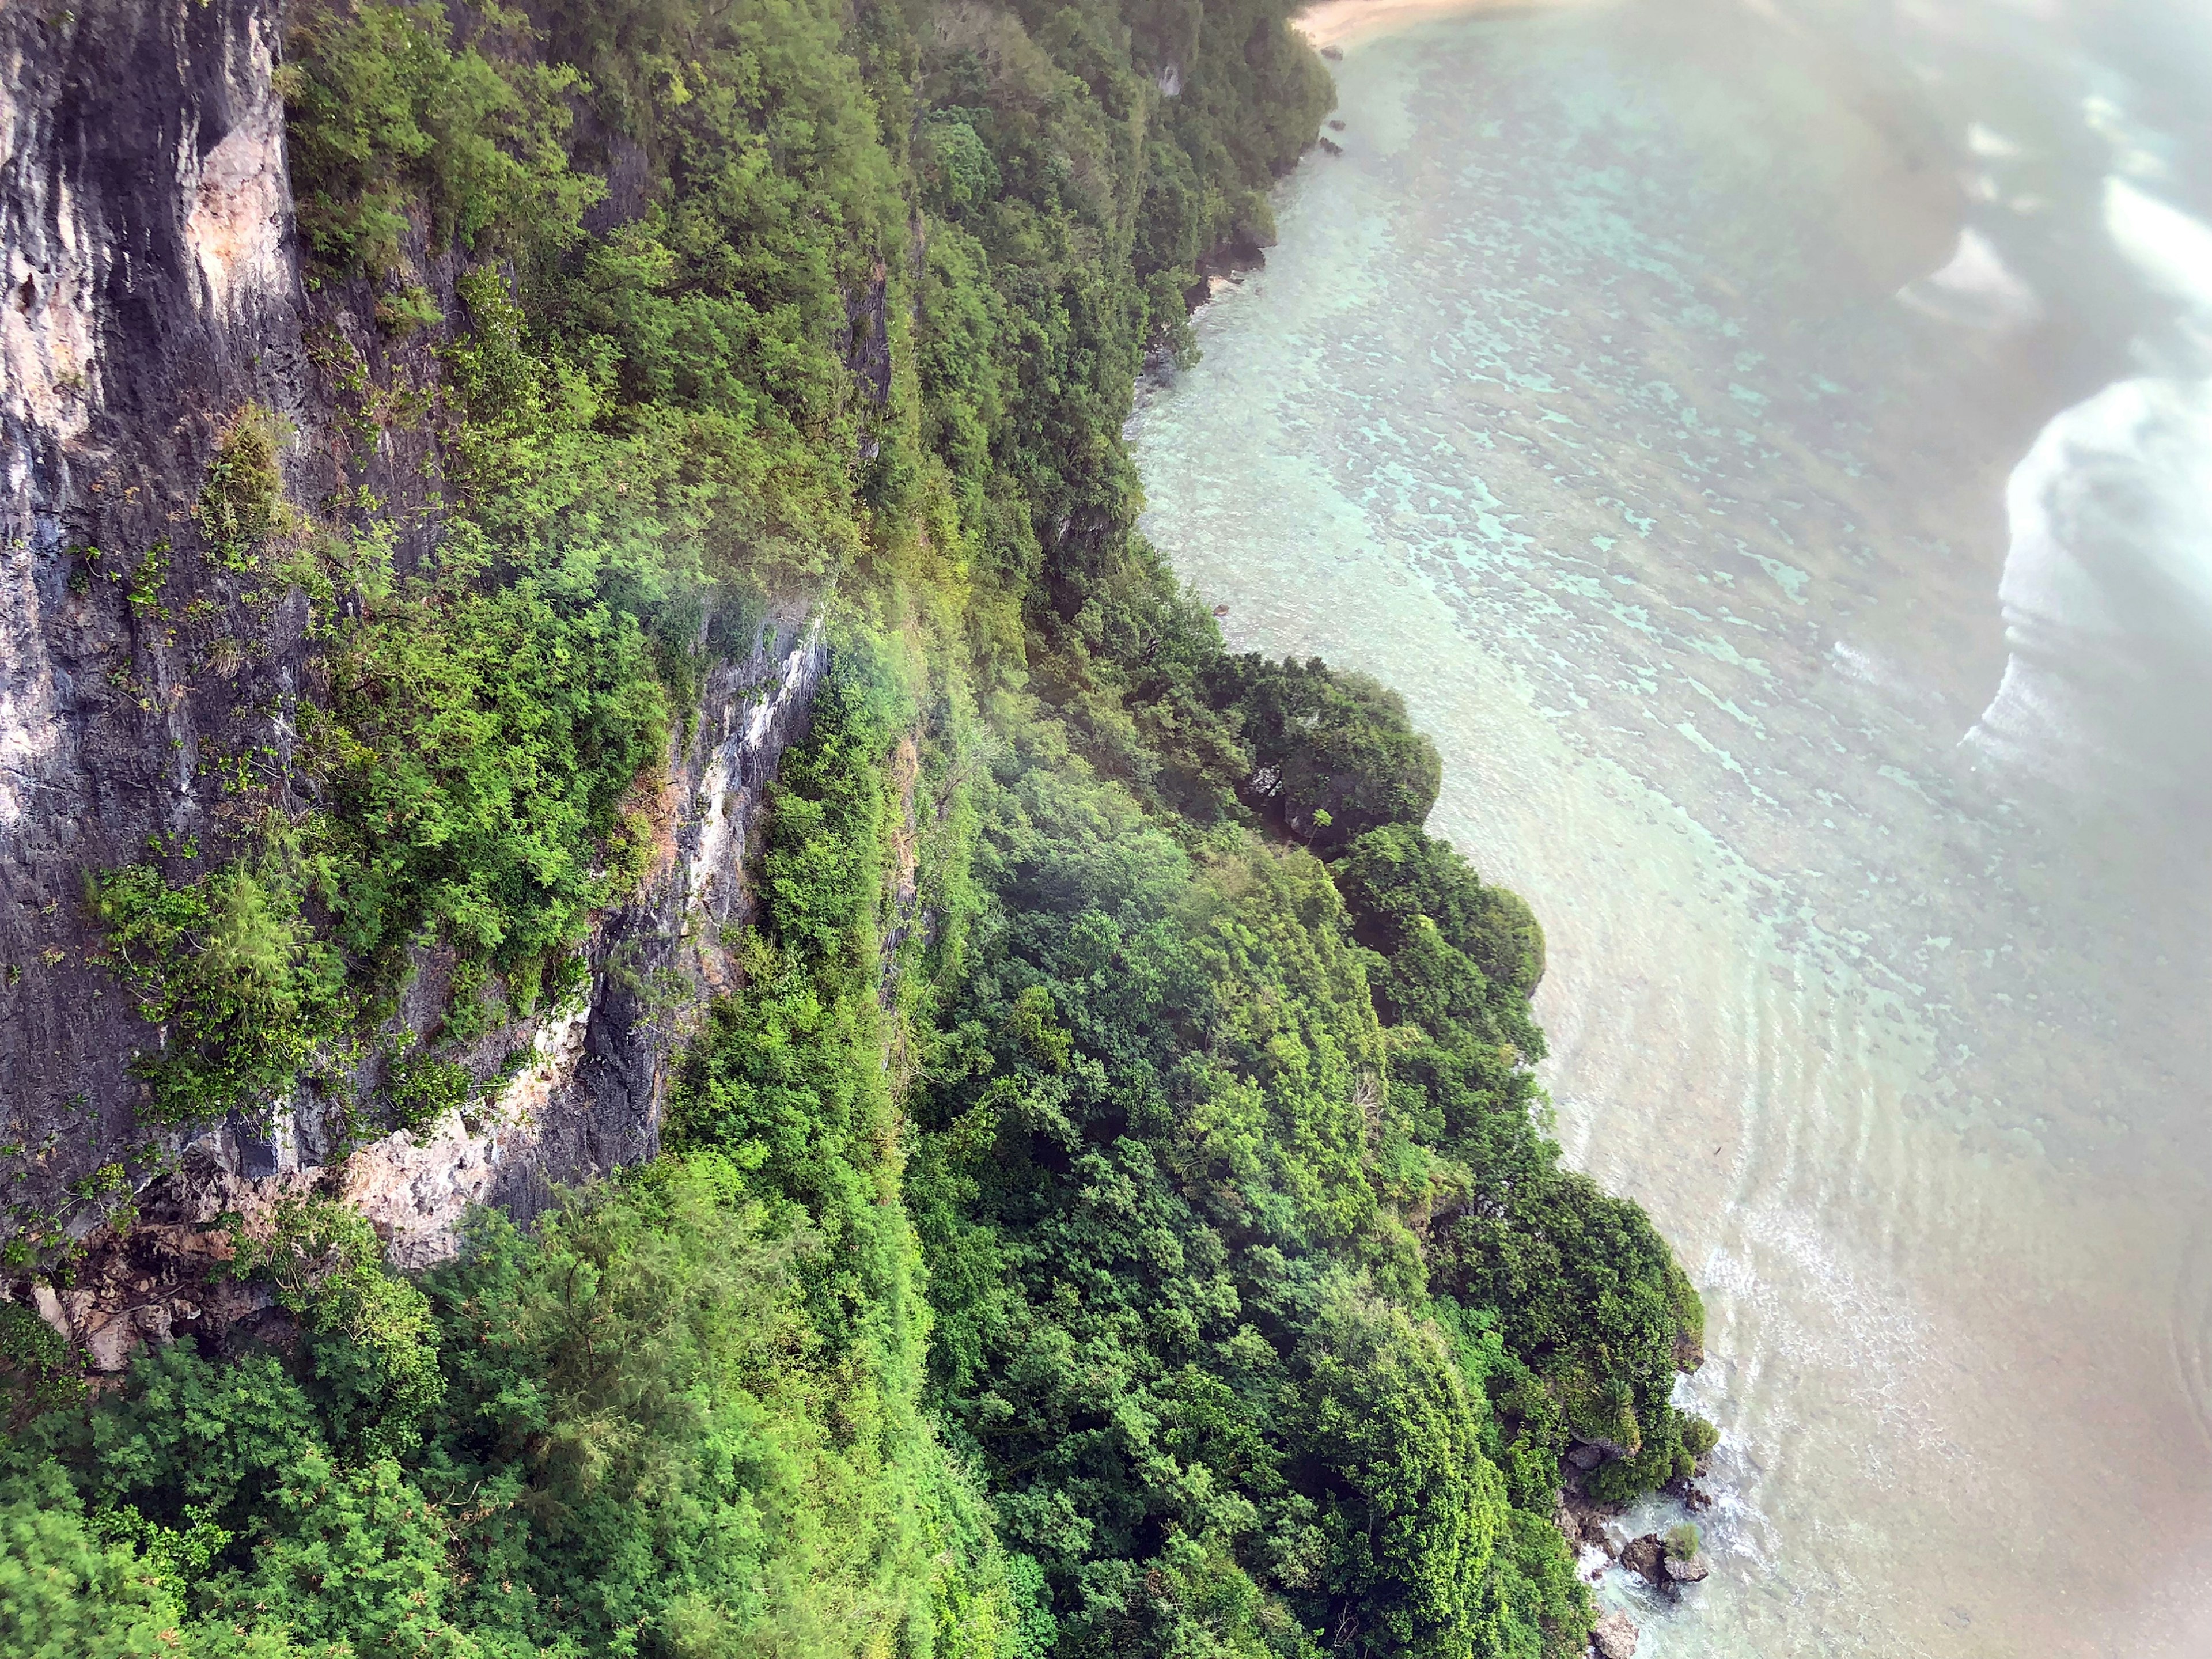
[1334, 756]
[1412, 1507]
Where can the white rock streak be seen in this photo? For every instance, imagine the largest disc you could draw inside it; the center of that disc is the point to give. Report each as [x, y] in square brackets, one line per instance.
[416, 1191]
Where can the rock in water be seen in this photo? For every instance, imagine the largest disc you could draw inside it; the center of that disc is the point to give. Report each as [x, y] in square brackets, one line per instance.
[1647, 1556]
[1613, 1637]
[1692, 1572]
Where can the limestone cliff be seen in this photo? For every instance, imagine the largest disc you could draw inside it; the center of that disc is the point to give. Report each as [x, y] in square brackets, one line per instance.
[153, 290]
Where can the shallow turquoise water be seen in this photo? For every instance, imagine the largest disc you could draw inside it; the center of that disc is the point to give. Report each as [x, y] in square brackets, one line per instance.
[1580, 402]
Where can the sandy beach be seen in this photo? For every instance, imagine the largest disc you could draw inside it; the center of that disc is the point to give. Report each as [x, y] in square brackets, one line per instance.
[1340, 22]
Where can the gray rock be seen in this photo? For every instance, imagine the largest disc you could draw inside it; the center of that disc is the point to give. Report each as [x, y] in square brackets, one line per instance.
[1585, 1456]
[1692, 1572]
[1615, 1637]
[1646, 1555]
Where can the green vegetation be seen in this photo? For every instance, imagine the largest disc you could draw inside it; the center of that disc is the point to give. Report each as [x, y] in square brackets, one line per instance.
[242, 501]
[42, 1368]
[228, 962]
[1260, 1296]
[1112, 1213]
[634, 1439]
[369, 1333]
[1334, 757]
[422, 1089]
[392, 125]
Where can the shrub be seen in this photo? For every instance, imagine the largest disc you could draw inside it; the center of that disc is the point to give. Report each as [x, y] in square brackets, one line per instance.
[43, 1369]
[227, 964]
[1334, 754]
[379, 1351]
[385, 114]
[422, 1090]
[242, 499]
[1699, 1436]
[64, 1592]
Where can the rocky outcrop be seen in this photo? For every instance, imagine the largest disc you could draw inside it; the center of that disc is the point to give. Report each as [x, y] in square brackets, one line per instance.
[1584, 1519]
[1613, 1637]
[161, 1281]
[416, 1189]
[1665, 1564]
[587, 1100]
[1644, 1557]
[1219, 266]
[149, 290]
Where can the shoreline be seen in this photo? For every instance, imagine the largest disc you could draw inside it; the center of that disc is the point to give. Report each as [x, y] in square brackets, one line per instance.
[1342, 23]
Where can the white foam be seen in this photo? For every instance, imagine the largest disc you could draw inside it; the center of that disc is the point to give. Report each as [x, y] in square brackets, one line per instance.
[2108, 578]
[1976, 289]
[2107, 585]
[1990, 143]
[2125, 476]
[2170, 250]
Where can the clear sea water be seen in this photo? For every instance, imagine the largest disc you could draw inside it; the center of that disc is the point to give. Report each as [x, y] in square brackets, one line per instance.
[1772, 452]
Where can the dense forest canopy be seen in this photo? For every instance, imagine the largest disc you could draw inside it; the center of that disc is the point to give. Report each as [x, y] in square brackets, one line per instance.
[1158, 1251]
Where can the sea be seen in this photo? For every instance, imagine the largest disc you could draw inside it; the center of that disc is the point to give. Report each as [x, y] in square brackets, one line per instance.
[1769, 447]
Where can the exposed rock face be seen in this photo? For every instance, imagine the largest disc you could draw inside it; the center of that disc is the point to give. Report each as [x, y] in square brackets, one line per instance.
[656, 960]
[1646, 1556]
[1220, 265]
[416, 1189]
[1615, 1637]
[1662, 1568]
[590, 1100]
[148, 291]
[1582, 1519]
[161, 1281]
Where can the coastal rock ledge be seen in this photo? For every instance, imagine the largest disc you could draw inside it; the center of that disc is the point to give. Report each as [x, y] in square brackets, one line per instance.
[1613, 1637]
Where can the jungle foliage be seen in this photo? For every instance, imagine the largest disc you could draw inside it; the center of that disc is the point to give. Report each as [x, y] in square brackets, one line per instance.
[1112, 1213]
